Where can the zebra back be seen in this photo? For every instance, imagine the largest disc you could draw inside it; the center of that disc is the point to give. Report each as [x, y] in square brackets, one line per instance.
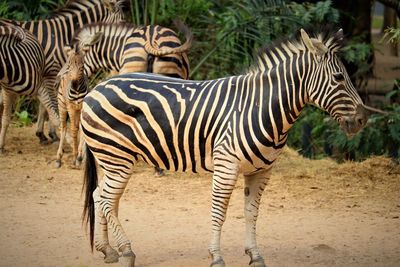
[21, 60]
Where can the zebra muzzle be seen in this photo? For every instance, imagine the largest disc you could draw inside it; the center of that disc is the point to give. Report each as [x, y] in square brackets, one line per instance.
[353, 124]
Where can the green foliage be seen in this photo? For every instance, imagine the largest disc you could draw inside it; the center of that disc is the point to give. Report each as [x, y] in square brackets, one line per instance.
[356, 52]
[228, 32]
[23, 118]
[27, 9]
[392, 35]
[380, 136]
[315, 14]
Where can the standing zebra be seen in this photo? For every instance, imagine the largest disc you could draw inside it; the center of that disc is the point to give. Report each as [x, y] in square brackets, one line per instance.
[227, 126]
[73, 87]
[123, 48]
[56, 32]
[21, 70]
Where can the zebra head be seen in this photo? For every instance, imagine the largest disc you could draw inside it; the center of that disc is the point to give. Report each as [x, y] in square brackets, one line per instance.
[328, 84]
[72, 74]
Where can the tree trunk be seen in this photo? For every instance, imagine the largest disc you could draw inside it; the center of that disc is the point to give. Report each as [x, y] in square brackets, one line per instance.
[390, 21]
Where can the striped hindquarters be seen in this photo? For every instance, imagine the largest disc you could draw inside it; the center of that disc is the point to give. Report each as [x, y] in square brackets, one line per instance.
[22, 60]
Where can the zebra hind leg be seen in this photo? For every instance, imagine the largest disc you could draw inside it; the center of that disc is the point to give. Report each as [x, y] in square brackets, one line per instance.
[254, 187]
[42, 117]
[101, 241]
[9, 99]
[107, 201]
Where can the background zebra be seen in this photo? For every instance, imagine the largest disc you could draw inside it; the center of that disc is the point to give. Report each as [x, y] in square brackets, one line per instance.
[227, 126]
[123, 48]
[56, 32]
[22, 65]
[72, 88]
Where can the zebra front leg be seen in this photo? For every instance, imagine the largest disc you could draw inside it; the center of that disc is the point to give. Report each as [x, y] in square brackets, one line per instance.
[63, 132]
[110, 192]
[74, 126]
[254, 187]
[224, 180]
[8, 101]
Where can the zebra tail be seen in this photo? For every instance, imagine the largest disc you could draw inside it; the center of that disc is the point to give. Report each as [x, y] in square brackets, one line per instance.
[89, 185]
[159, 52]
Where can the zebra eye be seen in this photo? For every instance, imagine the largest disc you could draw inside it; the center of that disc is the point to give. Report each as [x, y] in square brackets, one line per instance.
[339, 77]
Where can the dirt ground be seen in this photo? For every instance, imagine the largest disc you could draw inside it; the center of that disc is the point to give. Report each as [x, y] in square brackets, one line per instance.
[313, 213]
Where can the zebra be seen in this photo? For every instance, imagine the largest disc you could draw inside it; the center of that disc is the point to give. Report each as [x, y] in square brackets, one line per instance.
[228, 126]
[73, 86]
[22, 64]
[123, 48]
[134, 49]
[56, 32]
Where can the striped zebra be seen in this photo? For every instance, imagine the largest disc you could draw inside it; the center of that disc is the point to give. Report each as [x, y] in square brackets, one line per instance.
[56, 31]
[123, 48]
[228, 126]
[22, 64]
[73, 87]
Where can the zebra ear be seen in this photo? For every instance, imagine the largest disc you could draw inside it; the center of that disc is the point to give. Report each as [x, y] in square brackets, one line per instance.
[109, 5]
[320, 48]
[62, 71]
[312, 44]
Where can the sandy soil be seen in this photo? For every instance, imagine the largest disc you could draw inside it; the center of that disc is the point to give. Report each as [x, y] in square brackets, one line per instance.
[314, 213]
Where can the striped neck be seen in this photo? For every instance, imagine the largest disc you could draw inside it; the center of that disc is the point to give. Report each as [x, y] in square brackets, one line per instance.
[106, 53]
[282, 92]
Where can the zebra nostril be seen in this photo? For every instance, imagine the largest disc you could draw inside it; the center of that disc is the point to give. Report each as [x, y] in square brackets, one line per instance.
[360, 121]
[74, 84]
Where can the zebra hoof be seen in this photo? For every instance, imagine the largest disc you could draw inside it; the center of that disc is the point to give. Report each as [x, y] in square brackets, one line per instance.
[78, 162]
[112, 256]
[54, 138]
[218, 263]
[58, 163]
[42, 138]
[127, 259]
[257, 262]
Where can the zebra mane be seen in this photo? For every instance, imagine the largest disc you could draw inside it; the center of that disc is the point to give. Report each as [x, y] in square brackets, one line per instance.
[332, 39]
[106, 28]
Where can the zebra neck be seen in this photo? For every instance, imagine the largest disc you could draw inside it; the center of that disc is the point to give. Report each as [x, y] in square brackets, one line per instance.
[277, 97]
[99, 61]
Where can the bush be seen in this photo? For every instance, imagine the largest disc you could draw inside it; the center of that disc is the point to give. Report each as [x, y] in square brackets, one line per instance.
[381, 136]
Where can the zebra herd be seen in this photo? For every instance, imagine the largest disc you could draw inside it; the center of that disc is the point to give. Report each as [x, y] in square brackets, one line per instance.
[228, 126]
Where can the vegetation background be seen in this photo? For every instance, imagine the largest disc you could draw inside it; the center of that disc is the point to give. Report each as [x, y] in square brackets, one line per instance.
[228, 33]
